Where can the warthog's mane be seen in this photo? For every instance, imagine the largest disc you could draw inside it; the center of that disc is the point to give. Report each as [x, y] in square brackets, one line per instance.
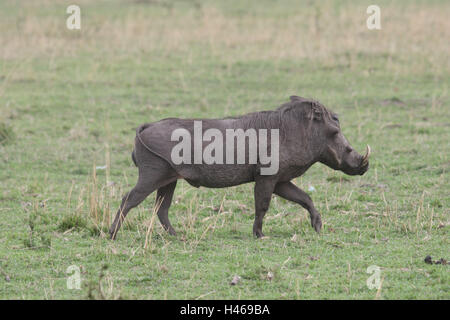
[299, 109]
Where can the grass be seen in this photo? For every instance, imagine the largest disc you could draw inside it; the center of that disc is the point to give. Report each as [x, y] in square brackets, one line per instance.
[71, 100]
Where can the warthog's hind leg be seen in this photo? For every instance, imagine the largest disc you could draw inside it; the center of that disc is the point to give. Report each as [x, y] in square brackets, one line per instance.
[129, 201]
[290, 191]
[149, 180]
[165, 195]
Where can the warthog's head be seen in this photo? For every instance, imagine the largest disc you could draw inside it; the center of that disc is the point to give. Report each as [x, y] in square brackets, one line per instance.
[337, 152]
[325, 137]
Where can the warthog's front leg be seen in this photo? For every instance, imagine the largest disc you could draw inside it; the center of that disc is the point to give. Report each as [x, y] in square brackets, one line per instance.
[290, 191]
[263, 193]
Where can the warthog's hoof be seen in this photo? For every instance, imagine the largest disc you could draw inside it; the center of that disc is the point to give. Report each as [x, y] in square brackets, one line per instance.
[316, 223]
[112, 234]
[258, 233]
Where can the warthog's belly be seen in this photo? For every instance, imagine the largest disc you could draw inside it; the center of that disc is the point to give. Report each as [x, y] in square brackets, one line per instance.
[216, 175]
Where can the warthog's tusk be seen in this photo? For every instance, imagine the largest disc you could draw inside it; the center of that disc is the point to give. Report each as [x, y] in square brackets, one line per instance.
[365, 159]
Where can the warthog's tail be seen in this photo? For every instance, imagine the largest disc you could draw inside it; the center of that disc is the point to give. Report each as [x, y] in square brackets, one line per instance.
[138, 131]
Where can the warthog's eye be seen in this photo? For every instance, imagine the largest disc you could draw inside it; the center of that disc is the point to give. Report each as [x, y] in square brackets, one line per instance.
[335, 118]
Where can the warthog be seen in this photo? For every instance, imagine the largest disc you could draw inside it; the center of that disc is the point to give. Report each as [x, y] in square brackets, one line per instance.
[308, 133]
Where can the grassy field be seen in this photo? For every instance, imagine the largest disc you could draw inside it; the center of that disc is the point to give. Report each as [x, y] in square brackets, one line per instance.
[70, 101]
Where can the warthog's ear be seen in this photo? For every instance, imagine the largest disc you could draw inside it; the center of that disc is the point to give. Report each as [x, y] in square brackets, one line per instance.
[296, 98]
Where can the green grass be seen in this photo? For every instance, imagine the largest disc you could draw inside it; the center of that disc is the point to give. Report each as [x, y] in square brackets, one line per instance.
[71, 100]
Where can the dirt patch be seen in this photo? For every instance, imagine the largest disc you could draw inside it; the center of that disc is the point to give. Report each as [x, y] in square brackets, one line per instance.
[393, 101]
